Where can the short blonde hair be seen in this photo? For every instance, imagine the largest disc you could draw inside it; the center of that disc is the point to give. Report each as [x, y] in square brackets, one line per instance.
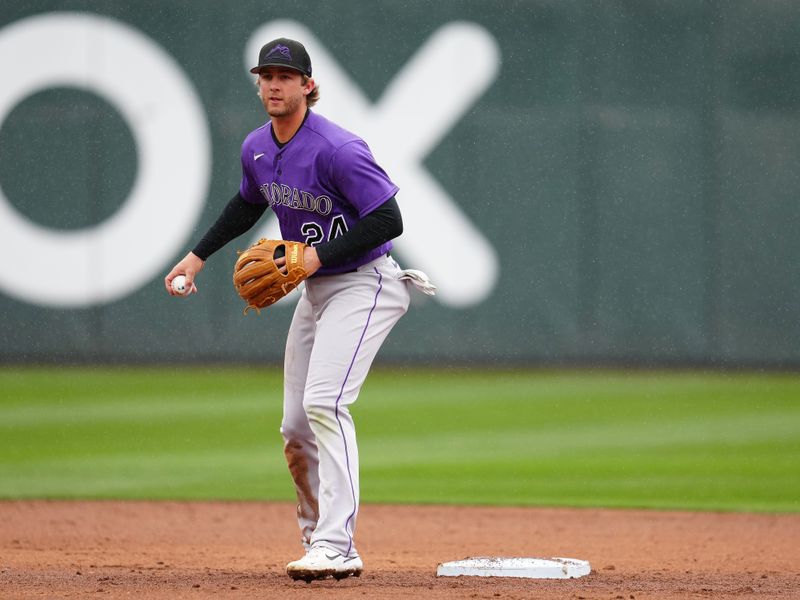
[313, 96]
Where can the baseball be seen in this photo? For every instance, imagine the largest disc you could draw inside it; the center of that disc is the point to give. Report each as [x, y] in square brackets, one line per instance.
[179, 284]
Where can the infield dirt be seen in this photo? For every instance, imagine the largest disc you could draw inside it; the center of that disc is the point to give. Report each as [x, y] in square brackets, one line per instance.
[72, 549]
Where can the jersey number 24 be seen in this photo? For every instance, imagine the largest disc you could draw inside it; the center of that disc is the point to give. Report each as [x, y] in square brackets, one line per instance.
[314, 234]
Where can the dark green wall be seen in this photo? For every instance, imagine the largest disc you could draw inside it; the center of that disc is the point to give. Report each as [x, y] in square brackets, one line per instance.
[634, 164]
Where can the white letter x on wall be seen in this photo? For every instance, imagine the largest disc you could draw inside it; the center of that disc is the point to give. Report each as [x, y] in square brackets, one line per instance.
[401, 131]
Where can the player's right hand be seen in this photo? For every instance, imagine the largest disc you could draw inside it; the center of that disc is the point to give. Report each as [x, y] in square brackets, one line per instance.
[189, 266]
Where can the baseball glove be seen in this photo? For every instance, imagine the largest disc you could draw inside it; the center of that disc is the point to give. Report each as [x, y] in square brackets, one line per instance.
[257, 278]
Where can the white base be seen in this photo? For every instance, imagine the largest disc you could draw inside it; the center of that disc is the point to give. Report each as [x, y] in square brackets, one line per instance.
[535, 568]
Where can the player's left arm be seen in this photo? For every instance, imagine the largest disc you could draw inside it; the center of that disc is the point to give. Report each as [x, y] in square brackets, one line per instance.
[376, 228]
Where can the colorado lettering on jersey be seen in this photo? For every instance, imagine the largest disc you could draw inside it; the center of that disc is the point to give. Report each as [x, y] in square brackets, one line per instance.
[281, 194]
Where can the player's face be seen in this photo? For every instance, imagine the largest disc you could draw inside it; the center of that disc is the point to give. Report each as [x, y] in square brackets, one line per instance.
[282, 91]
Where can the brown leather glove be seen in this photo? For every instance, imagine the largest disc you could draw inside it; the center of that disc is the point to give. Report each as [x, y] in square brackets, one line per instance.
[259, 281]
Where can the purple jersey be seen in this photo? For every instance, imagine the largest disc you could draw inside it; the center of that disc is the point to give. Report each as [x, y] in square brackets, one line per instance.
[319, 184]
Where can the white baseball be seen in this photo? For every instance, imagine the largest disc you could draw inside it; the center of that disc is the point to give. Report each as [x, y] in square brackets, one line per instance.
[179, 284]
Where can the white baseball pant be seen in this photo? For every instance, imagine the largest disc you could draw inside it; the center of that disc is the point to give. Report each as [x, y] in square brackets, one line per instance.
[338, 327]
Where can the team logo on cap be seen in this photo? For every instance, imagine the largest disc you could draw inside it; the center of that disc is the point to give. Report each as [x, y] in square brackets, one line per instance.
[282, 50]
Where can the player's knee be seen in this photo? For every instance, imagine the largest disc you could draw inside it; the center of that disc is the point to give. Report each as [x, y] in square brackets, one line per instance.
[320, 414]
[295, 433]
[319, 401]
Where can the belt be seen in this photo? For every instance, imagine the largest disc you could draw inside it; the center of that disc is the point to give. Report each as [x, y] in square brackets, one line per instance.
[387, 255]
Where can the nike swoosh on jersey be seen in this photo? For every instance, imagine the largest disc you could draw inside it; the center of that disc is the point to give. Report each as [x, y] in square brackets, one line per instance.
[257, 156]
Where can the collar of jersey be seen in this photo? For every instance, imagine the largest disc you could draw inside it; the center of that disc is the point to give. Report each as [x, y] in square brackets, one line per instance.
[282, 145]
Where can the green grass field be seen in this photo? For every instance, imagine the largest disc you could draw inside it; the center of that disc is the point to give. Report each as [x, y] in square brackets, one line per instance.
[689, 440]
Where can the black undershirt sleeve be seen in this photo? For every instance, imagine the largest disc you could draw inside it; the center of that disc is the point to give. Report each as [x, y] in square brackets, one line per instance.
[381, 225]
[237, 217]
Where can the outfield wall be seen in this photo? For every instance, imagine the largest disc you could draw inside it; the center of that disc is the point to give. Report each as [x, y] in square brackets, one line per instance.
[587, 182]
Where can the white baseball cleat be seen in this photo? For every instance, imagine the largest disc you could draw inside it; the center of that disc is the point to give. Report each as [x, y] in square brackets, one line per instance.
[320, 563]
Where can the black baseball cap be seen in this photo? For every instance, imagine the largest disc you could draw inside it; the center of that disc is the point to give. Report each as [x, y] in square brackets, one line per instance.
[284, 52]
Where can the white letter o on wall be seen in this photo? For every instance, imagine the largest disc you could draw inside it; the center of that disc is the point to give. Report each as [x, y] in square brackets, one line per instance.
[102, 263]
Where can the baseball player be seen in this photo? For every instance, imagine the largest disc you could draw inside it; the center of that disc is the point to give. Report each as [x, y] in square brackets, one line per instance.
[327, 191]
